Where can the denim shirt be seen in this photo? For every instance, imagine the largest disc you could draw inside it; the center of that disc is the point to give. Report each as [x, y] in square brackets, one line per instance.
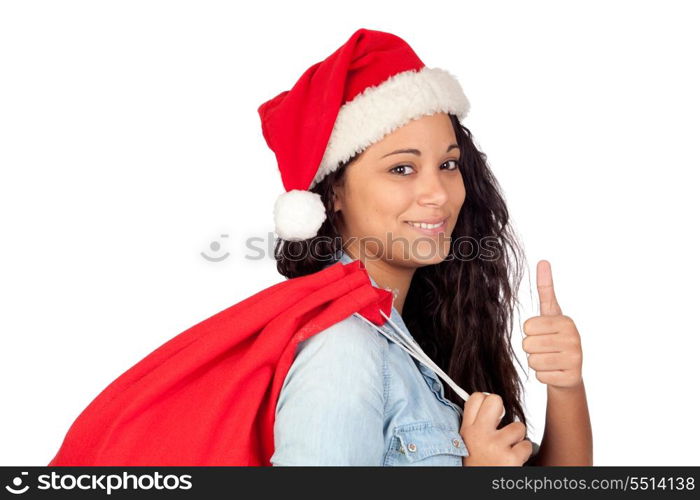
[354, 397]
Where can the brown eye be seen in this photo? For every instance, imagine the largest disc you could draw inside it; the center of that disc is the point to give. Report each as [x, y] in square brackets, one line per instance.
[400, 166]
[452, 161]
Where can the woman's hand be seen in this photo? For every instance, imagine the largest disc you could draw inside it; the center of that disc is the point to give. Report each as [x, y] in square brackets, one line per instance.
[486, 444]
[553, 343]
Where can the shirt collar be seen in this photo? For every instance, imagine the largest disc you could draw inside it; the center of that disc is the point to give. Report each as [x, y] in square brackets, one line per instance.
[343, 257]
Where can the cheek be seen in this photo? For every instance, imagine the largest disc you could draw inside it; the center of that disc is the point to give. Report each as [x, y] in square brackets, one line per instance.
[391, 206]
[381, 203]
[457, 194]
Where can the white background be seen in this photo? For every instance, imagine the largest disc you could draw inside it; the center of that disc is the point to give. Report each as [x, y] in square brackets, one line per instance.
[130, 140]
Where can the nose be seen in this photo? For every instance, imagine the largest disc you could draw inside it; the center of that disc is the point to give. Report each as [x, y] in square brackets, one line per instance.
[431, 189]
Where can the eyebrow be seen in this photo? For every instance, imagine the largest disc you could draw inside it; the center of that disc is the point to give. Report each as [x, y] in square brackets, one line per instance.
[416, 151]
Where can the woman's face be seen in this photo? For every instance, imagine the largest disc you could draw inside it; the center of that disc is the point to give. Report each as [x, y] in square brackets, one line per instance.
[384, 191]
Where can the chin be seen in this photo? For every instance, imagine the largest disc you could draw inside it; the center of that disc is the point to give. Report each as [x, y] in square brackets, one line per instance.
[428, 253]
[430, 261]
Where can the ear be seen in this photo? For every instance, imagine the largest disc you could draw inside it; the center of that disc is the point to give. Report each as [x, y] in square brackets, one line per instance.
[337, 199]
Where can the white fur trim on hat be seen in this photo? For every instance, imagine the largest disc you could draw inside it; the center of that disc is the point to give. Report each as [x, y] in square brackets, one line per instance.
[298, 215]
[381, 109]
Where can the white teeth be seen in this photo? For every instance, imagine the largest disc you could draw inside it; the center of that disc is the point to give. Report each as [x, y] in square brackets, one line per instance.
[426, 226]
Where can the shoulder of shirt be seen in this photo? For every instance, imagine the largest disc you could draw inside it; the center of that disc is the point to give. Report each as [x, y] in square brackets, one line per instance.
[349, 333]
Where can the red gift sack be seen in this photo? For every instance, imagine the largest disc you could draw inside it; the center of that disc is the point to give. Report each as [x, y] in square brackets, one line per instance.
[208, 395]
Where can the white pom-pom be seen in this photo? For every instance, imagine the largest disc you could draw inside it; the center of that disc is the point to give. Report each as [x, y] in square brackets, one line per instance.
[299, 215]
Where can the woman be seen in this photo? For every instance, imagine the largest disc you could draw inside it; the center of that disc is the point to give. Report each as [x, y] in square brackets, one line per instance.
[399, 182]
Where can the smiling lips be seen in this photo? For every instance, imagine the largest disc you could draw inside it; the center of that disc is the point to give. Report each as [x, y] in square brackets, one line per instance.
[430, 229]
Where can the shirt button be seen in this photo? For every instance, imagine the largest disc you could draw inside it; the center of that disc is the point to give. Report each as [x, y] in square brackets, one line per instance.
[455, 442]
[412, 447]
[402, 450]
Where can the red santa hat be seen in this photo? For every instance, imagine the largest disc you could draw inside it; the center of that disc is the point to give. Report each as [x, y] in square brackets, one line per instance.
[370, 86]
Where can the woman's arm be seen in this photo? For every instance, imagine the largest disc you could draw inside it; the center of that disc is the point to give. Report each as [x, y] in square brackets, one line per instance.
[567, 439]
[331, 406]
[555, 352]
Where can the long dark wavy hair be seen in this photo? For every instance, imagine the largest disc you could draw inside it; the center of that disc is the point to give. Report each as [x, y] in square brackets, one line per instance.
[459, 310]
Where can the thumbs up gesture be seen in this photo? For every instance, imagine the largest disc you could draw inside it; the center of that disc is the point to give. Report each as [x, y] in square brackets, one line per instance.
[552, 339]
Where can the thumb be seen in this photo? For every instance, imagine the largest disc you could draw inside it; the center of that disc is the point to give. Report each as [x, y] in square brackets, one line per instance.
[545, 288]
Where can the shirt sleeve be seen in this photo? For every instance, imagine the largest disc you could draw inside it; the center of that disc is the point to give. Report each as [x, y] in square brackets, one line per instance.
[331, 405]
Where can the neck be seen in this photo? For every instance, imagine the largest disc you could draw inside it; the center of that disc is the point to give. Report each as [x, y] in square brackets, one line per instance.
[387, 276]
